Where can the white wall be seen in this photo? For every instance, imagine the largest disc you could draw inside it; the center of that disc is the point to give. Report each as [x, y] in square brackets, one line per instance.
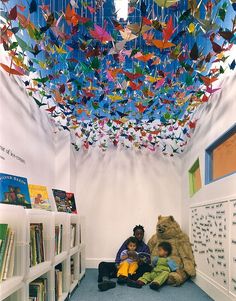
[216, 117]
[28, 133]
[119, 189]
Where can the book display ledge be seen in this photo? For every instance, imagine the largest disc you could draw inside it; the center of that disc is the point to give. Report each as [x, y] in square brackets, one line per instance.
[68, 262]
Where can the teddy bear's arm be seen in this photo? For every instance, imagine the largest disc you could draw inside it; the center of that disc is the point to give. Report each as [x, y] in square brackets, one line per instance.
[186, 255]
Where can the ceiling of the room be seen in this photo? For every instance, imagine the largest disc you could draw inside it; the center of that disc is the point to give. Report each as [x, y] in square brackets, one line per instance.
[120, 73]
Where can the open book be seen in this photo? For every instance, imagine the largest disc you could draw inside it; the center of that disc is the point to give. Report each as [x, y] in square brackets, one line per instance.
[143, 256]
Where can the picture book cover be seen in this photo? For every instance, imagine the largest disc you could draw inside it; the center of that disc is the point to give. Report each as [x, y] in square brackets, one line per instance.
[60, 199]
[71, 201]
[39, 197]
[65, 202]
[14, 190]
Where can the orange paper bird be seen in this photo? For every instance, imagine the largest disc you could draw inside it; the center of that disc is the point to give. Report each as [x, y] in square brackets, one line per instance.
[78, 19]
[167, 33]
[69, 14]
[162, 44]
[144, 57]
[208, 81]
[100, 34]
[10, 70]
[58, 97]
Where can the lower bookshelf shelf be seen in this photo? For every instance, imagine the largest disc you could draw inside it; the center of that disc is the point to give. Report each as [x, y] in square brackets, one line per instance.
[63, 297]
[73, 250]
[81, 275]
[60, 257]
[9, 286]
[38, 270]
[73, 285]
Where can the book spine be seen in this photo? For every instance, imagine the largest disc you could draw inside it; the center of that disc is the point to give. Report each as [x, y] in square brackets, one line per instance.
[61, 235]
[12, 259]
[42, 243]
[56, 240]
[9, 253]
[37, 240]
[33, 244]
[5, 249]
[3, 244]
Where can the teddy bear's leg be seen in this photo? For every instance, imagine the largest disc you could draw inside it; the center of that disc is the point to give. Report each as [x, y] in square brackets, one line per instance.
[177, 278]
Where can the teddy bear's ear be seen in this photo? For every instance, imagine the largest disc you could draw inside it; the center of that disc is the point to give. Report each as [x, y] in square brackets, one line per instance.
[171, 218]
[159, 217]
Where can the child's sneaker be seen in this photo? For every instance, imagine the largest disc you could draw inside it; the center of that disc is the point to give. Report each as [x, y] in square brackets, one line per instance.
[106, 285]
[122, 280]
[136, 284]
[154, 286]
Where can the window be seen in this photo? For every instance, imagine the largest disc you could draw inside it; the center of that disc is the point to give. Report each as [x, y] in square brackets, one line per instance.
[221, 156]
[195, 182]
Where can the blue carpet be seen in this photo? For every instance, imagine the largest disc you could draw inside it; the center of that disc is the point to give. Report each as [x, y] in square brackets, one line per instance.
[88, 291]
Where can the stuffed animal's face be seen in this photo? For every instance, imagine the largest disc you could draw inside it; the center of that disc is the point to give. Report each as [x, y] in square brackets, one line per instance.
[167, 227]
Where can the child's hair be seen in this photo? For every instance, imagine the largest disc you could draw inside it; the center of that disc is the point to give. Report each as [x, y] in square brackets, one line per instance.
[138, 227]
[131, 239]
[166, 246]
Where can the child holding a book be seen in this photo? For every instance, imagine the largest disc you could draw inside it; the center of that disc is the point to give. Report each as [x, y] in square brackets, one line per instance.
[129, 260]
[162, 264]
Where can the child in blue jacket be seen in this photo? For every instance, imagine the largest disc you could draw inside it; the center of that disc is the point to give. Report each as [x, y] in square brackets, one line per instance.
[162, 264]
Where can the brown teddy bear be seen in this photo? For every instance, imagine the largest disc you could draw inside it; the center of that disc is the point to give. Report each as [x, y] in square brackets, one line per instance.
[168, 229]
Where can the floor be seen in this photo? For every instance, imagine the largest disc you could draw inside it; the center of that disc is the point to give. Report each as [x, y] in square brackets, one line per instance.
[88, 291]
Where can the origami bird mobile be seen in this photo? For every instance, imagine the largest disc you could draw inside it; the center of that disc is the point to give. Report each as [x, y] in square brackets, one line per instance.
[134, 83]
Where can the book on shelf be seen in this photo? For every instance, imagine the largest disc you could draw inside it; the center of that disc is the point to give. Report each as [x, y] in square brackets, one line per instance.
[58, 281]
[39, 197]
[14, 190]
[7, 252]
[72, 235]
[65, 201]
[80, 263]
[71, 202]
[72, 270]
[38, 290]
[58, 239]
[36, 244]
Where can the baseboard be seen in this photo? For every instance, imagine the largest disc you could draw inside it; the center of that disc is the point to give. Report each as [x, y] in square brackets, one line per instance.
[92, 263]
[216, 292]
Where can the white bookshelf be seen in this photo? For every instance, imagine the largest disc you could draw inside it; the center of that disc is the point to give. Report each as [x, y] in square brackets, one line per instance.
[65, 280]
[82, 266]
[74, 220]
[19, 294]
[62, 218]
[15, 217]
[74, 282]
[44, 217]
[19, 219]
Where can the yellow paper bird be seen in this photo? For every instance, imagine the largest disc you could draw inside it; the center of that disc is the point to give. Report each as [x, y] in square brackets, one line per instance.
[166, 3]
[127, 35]
[114, 97]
